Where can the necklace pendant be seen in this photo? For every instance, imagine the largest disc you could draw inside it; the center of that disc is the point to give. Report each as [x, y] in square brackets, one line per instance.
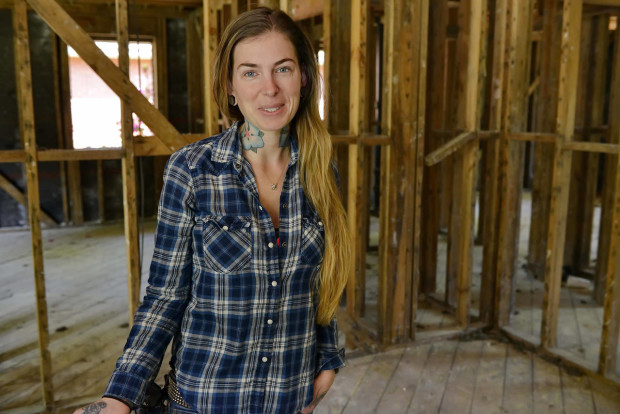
[274, 187]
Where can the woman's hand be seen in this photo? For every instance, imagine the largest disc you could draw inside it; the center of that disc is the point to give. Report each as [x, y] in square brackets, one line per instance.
[104, 406]
[322, 384]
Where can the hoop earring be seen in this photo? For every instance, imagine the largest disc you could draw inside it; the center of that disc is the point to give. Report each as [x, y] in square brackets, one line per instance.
[232, 100]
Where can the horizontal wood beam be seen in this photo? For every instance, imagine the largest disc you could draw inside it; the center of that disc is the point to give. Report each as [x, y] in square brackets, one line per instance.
[449, 148]
[12, 156]
[364, 139]
[79, 154]
[615, 3]
[534, 136]
[73, 35]
[591, 147]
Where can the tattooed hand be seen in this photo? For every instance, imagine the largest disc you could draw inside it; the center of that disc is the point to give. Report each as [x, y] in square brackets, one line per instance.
[322, 384]
[104, 406]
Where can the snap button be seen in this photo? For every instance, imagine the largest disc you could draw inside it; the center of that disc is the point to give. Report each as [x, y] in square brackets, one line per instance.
[274, 283]
[270, 245]
[265, 359]
[225, 228]
[320, 223]
[284, 205]
[283, 244]
[269, 322]
[260, 208]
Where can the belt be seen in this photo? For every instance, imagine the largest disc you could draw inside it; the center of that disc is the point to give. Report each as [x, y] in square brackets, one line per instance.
[173, 392]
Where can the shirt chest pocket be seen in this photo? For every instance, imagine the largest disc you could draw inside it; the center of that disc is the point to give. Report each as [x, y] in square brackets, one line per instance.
[227, 243]
[312, 241]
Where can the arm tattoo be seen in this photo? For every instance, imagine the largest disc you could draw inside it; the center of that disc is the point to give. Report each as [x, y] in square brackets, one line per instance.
[94, 408]
[317, 400]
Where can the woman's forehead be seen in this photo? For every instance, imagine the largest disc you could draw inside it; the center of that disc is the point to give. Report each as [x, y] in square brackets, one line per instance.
[265, 49]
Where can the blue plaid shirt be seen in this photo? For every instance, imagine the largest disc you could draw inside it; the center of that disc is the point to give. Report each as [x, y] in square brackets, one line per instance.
[239, 308]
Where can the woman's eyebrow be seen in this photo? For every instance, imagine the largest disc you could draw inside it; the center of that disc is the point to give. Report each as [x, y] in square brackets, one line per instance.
[254, 65]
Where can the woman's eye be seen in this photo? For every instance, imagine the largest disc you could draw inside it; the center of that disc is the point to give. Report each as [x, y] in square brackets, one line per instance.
[283, 69]
[249, 74]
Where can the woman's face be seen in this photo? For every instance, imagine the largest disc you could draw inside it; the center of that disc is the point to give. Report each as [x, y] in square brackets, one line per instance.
[266, 80]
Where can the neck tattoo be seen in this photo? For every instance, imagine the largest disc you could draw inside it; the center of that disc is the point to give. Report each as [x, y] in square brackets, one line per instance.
[252, 137]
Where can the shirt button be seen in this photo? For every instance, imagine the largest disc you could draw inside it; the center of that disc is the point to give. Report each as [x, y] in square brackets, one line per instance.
[225, 228]
[284, 205]
[274, 283]
[283, 244]
[320, 223]
[269, 321]
[265, 359]
[260, 208]
[270, 245]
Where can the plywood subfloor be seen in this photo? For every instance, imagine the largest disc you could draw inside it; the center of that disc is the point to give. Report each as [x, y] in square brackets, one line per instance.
[479, 376]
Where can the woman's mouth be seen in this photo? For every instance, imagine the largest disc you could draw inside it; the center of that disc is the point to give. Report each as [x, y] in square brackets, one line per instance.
[272, 109]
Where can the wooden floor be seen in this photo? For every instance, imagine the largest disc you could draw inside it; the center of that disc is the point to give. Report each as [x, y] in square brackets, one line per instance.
[88, 320]
[479, 376]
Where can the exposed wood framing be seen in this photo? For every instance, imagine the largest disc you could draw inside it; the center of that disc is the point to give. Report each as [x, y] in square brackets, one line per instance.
[511, 153]
[209, 15]
[66, 27]
[435, 121]
[470, 22]
[58, 104]
[128, 162]
[490, 196]
[545, 122]
[356, 207]
[565, 125]
[405, 35]
[611, 314]
[25, 105]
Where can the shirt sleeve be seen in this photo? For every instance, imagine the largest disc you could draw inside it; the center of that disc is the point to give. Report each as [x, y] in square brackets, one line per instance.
[329, 354]
[158, 318]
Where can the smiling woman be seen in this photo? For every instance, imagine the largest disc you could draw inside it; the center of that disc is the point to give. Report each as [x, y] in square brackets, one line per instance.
[251, 250]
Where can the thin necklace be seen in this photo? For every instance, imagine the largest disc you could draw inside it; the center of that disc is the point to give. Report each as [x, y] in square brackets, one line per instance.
[274, 186]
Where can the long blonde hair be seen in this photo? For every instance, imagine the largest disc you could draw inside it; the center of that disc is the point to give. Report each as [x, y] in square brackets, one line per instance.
[315, 146]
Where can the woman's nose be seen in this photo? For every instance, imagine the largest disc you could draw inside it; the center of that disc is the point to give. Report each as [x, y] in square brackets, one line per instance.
[270, 87]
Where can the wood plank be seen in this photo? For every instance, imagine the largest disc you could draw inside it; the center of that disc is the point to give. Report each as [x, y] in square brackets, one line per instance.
[423, 27]
[435, 120]
[596, 147]
[209, 45]
[66, 27]
[128, 168]
[577, 394]
[25, 105]
[371, 388]
[547, 387]
[611, 322]
[345, 385]
[430, 389]
[491, 169]
[401, 387]
[357, 105]
[518, 382]
[449, 148]
[544, 121]
[17, 194]
[56, 43]
[80, 154]
[461, 383]
[489, 383]
[565, 126]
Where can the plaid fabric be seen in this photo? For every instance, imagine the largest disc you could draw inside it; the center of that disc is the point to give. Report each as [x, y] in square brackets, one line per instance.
[239, 308]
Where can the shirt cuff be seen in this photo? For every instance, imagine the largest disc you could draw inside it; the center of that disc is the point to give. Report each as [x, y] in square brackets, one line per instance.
[126, 387]
[332, 360]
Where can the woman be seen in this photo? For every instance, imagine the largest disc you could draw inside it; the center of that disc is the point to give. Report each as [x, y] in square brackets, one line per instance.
[251, 251]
